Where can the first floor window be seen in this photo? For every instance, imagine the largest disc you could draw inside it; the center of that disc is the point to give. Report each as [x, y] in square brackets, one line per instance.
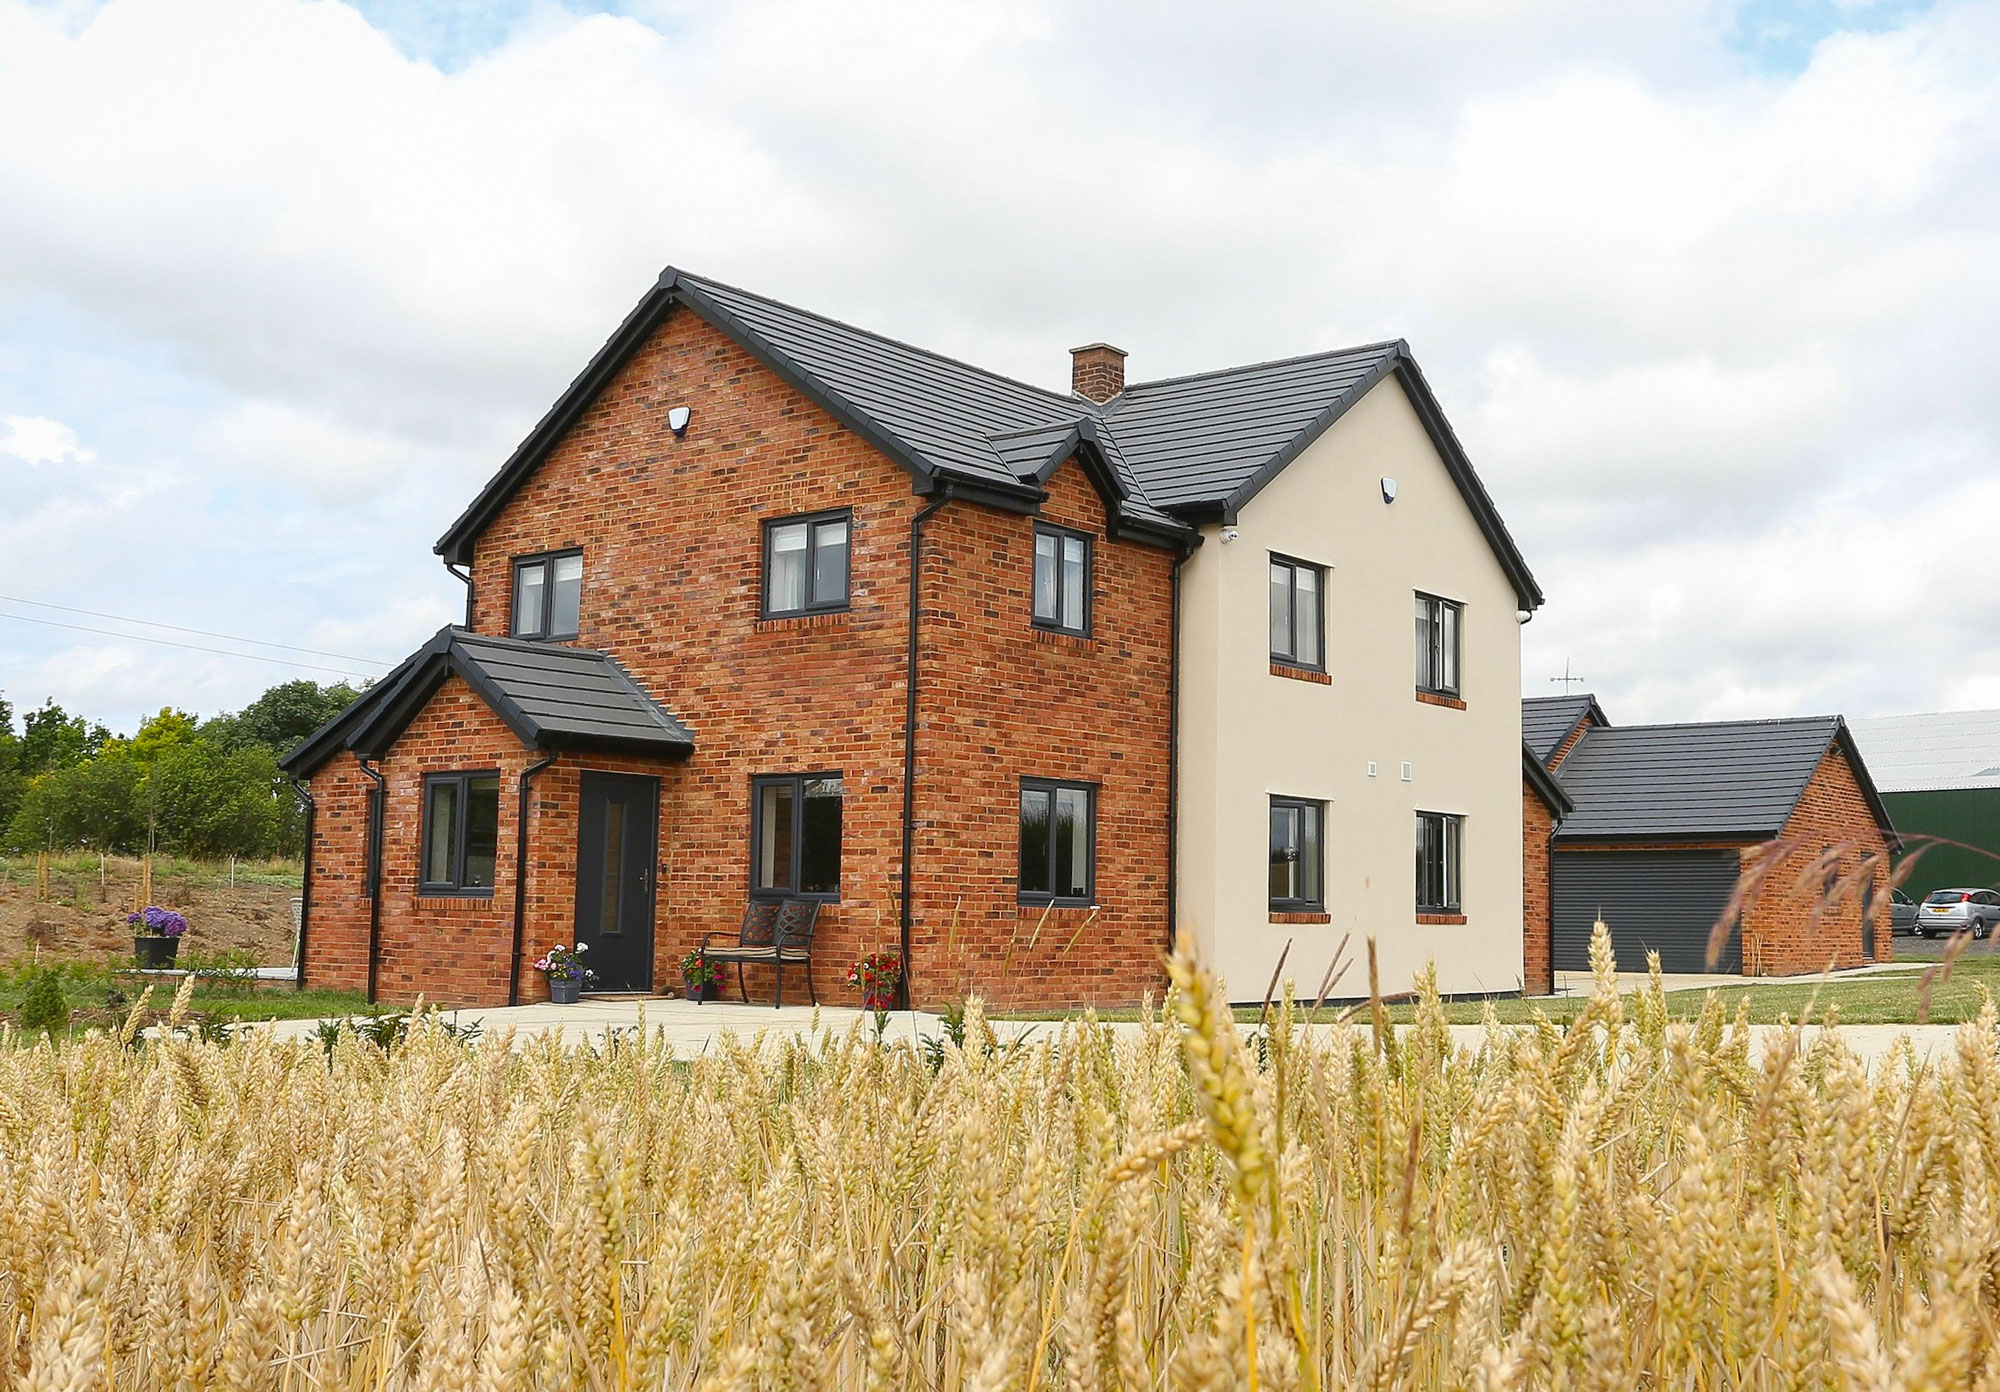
[1439, 836]
[1437, 645]
[548, 595]
[1296, 613]
[1062, 580]
[461, 832]
[1297, 862]
[795, 835]
[1058, 842]
[805, 564]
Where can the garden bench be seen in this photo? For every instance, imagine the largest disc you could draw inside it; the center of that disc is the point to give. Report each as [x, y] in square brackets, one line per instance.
[776, 933]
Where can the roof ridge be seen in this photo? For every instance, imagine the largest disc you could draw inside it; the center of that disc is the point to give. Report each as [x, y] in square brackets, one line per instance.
[880, 337]
[1126, 394]
[1712, 724]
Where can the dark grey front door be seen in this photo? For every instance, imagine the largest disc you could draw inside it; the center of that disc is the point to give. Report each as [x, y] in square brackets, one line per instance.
[617, 843]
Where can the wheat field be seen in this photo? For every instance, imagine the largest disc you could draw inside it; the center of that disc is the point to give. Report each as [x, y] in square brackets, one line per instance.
[1625, 1203]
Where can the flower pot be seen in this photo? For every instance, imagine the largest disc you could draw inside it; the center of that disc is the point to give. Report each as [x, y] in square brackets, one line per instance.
[878, 1000]
[154, 952]
[700, 991]
[564, 992]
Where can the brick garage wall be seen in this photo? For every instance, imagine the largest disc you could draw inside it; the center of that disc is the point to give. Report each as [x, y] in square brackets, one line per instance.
[1002, 701]
[1792, 928]
[672, 541]
[1537, 924]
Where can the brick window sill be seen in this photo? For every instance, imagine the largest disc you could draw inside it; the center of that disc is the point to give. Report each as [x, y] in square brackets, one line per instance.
[1304, 674]
[1075, 642]
[1440, 918]
[1057, 910]
[455, 903]
[835, 619]
[1277, 917]
[1432, 698]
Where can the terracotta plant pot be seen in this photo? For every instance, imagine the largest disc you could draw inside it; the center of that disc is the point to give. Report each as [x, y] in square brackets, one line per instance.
[153, 952]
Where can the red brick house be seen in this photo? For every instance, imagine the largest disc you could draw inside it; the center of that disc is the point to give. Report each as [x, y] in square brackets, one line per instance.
[1666, 819]
[768, 606]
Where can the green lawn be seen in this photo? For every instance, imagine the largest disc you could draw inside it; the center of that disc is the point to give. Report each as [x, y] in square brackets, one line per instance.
[1872, 1000]
[100, 997]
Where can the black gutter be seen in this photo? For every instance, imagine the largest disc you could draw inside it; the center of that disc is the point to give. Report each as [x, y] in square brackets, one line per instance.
[464, 577]
[521, 879]
[304, 795]
[910, 729]
[376, 810]
[1174, 747]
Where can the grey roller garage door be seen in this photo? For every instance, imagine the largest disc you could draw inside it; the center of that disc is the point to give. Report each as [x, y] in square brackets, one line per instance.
[1664, 901]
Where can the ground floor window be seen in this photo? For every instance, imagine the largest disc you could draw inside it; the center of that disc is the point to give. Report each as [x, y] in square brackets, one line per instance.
[1058, 842]
[795, 835]
[1297, 861]
[461, 832]
[1439, 835]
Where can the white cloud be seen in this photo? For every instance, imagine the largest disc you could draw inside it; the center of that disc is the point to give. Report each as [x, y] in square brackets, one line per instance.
[1719, 338]
[38, 440]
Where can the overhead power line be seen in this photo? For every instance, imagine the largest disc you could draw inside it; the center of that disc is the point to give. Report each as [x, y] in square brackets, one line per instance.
[192, 647]
[198, 632]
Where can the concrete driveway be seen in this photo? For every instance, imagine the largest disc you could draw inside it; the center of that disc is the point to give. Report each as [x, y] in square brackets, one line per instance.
[694, 1029]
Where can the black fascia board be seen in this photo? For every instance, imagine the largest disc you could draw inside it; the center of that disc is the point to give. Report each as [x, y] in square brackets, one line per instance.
[1399, 362]
[1544, 783]
[665, 743]
[305, 758]
[671, 290]
[1844, 738]
[967, 489]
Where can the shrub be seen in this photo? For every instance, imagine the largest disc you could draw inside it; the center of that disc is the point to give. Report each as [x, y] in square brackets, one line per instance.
[43, 1009]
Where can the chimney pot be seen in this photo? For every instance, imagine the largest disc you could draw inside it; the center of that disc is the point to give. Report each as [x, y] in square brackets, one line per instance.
[1097, 371]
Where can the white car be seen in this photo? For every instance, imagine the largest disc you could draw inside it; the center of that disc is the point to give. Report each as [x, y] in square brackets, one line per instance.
[1948, 911]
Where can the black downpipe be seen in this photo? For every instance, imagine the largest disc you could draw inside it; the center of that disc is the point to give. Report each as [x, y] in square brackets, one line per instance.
[464, 577]
[377, 798]
[1174, 752]
[910, 729]
[521, 880]
[304, 795]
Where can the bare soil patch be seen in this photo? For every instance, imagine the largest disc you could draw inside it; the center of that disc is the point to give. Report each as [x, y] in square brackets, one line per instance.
[84, 917]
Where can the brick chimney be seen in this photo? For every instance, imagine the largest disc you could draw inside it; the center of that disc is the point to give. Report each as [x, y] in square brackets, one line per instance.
[1097, 371]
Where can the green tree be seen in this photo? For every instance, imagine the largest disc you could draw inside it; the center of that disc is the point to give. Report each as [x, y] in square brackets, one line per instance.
[161, 732]
[52, 738]
[281, 717]
[100, 804]
[209, 802]
[13, 783]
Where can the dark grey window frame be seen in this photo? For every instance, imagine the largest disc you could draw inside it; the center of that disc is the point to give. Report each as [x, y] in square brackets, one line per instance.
[454, 888]
[1317, 807]
[1451, 843]
[1040, 897]
[1089, 580]
[812, 522]
[1438, 604]
[547, 560]
[797, 782]
[1319, 617]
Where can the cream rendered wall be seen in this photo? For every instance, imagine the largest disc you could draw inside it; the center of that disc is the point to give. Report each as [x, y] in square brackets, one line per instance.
[1247, 734]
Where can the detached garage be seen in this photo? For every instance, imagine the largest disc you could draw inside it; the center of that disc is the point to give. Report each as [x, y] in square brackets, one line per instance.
[1665, 818]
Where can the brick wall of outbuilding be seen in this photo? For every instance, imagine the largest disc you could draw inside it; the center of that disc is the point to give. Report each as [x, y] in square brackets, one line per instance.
[1537, 923]
[1796, 924]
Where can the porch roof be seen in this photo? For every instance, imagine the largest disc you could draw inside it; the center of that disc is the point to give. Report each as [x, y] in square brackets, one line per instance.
[550, 696]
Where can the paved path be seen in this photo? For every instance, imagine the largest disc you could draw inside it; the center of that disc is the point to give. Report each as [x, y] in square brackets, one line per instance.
[694, 1029]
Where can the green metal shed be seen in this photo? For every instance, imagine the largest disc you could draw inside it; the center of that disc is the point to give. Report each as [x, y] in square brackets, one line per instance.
[1939, 776]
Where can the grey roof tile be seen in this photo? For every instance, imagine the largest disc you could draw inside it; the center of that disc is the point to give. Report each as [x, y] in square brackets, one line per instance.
[1732, 779]
[1547, 720]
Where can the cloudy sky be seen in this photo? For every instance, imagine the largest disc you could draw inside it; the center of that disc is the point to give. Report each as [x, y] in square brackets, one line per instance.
[1711, 291]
